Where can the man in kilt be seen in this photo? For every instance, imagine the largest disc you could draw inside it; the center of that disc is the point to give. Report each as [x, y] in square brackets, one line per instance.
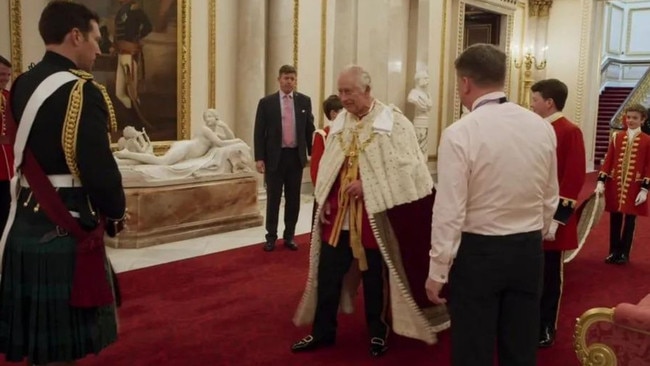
[47, 314]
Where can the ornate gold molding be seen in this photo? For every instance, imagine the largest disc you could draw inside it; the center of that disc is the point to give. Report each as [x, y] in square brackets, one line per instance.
[323, 56]
[460, 42]
[296, 31]
[583, 58]
[441, 74]
[212, 54]
[183, 71]
[509, 31]
[15, 38]
[539, 8]
[596, 354]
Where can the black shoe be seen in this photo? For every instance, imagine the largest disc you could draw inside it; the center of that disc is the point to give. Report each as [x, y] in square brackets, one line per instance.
[546, 337]
[378, 347]
[621, 259]
[269, 246]
[611, 258]
[290, 244]
[310, 343]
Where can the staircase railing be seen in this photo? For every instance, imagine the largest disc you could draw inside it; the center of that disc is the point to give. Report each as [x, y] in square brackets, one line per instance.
[608, 62]
[638, 95]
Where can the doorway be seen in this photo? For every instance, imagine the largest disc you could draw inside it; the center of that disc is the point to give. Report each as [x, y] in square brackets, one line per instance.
[481, 26]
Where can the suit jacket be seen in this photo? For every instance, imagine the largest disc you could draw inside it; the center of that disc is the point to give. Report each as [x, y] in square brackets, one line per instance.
[268, 129]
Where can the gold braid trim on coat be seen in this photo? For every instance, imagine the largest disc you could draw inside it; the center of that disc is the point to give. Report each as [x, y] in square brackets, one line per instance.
[71, 126]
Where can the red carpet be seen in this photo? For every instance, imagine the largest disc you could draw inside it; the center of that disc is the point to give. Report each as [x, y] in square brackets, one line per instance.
[235, 308]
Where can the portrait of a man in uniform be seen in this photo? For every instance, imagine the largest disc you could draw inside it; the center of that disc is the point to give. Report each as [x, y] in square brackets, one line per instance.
[138, 64]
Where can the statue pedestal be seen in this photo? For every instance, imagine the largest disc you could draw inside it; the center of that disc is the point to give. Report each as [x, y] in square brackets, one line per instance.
[167, 213]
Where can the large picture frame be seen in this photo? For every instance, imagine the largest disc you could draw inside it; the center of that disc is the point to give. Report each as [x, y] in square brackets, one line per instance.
[156, 78]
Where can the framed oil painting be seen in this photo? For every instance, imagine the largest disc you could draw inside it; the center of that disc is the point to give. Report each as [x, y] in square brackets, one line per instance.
[144, 63]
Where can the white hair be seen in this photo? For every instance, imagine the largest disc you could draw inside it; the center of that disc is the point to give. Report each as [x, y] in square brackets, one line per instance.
[363, 76]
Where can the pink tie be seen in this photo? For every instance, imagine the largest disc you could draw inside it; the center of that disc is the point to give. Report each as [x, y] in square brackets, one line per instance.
[288, 139]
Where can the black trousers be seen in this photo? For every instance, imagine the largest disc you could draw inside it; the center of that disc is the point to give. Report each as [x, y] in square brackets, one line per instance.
[552, 291]
[5, 203]
[495, 287]
[288, 175]
[621, 233]
[334, 263]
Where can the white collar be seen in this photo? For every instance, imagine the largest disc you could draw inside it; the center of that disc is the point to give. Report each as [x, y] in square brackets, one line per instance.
[383, 123]
[633, 132]
[554, 117]
[494, 95]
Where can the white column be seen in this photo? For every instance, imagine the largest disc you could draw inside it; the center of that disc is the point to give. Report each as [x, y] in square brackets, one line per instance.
[345, 36]
[280, 40]
[251, 54]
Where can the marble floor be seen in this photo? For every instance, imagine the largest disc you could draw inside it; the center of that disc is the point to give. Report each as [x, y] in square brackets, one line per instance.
[131, 259]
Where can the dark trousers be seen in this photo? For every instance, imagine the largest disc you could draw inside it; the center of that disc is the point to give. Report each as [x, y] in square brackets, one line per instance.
[5, 203]
[550, 304]
[334, 263]
[621, 233]
[495, 287]
[288, 175]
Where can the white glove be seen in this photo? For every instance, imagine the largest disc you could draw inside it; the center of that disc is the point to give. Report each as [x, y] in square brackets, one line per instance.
[600, 188]
[550, 234]
[641, 197]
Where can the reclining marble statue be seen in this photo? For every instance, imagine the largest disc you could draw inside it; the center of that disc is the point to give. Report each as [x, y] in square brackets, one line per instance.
[213, 151]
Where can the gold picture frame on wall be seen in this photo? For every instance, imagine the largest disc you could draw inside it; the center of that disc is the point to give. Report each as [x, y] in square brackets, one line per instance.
[150, 88]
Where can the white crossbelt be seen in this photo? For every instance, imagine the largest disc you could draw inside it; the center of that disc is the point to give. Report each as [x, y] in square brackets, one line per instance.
[57, 180]
[44, 90]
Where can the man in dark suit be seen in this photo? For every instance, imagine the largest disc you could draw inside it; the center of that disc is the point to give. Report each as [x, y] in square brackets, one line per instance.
[284, 126]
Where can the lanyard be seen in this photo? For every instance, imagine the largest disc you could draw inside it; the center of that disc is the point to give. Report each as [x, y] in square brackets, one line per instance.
[489, 101]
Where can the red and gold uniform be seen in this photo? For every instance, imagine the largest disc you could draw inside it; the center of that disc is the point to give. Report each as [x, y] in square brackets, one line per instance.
[6, 159]
[317, 149]
[625, 172]
[571, 168]
[6, 146]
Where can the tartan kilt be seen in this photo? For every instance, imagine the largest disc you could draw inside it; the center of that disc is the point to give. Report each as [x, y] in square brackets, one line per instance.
[36, 320]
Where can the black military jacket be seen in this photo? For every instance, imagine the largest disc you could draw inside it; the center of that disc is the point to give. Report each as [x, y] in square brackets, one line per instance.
[97, 169]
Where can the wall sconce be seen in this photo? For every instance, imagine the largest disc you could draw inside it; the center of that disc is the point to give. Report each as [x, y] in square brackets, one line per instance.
[527, 63]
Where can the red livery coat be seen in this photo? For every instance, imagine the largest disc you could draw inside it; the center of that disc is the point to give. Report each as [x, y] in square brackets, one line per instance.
[6, 145]
[626, 171]
[317, 149]
[571, 169]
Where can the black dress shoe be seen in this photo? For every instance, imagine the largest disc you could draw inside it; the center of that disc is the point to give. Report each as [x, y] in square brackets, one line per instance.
[269, 246]
[377, 347]
[291, 244]
[547, 337]
[611, 258]
[621, 259]
[310, 343]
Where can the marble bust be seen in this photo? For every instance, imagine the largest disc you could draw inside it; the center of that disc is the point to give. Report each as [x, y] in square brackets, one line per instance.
[213, 150]
[420, 98]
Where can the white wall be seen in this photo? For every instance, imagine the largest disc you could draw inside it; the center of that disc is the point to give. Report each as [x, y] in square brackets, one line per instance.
[627, 26]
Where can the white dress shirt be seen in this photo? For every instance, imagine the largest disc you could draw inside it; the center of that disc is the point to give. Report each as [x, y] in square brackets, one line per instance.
[497, 175]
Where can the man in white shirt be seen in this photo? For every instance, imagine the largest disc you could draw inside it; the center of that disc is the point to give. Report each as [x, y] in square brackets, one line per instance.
[497, 193]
